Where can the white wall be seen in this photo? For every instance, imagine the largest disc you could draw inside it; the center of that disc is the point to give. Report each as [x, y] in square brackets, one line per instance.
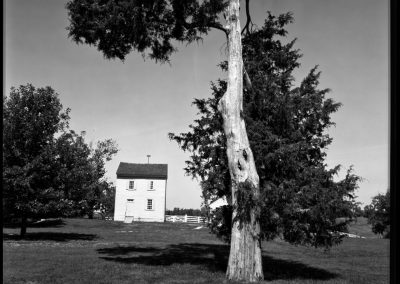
[140, 195]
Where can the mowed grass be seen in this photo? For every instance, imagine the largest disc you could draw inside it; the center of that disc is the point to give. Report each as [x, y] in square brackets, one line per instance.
[97, 251]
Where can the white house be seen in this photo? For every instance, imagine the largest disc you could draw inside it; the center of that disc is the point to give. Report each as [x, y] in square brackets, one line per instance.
[141, 192]
[217, 203]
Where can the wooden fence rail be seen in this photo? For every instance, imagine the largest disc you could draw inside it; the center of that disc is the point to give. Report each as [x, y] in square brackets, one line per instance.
[185, 219]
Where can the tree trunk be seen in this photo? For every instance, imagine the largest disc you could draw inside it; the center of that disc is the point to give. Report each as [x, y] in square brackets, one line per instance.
[24, 222]
[90, 214]
[245, 261]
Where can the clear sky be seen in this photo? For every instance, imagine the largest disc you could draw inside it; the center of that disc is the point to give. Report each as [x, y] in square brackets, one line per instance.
[138, 102]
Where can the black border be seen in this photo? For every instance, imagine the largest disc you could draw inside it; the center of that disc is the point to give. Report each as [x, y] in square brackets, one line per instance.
[393, 150]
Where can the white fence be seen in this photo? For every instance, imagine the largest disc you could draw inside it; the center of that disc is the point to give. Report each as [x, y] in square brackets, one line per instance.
[185, 219]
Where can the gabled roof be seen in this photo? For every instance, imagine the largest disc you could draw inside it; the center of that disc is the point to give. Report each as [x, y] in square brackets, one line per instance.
[129, 170]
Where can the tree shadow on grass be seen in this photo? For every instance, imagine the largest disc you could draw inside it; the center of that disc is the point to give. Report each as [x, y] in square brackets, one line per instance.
[214, 257]
[51, 236]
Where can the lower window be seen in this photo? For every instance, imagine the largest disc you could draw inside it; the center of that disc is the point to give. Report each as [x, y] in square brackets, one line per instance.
[149, 204]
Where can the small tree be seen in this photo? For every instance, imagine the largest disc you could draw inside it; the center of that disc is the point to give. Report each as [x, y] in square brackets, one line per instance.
[379, 214]
[106, 201]
[31, 117]
[99, 190]
[82, 170]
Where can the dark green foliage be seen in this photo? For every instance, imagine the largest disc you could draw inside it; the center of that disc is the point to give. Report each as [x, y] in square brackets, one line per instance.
[286, 125]
[378, 214]
[116, 27]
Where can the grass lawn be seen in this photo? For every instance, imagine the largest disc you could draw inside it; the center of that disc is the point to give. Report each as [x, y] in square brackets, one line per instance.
[97, 251]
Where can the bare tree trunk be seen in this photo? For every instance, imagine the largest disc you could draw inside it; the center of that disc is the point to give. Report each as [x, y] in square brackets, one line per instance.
[245, 261]
[24, 224]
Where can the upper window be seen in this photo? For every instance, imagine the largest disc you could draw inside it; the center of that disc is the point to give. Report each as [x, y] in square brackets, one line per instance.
[149, 204]
[131, 185]
[151, 185]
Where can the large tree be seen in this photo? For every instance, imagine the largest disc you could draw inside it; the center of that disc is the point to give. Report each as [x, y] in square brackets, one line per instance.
[31, 117]
[48, 169]
[300, 200]
[116, 27]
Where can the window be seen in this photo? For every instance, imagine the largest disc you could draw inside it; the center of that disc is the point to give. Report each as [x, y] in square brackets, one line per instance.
[131, 185]
[149, 204]
[151, 185]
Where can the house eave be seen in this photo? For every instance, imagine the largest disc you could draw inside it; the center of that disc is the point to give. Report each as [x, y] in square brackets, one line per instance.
[140, 177]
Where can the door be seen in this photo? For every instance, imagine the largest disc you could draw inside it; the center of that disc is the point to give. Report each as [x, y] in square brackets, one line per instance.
[129, 211]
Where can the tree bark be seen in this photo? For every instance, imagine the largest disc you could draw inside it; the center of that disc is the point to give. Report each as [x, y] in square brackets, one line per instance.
[24, 221]
[245, 261]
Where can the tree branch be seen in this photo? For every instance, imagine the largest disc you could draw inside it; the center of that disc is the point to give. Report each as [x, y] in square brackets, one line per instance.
[214, 25]
[248, 21]
[218, 26]
[247, 81]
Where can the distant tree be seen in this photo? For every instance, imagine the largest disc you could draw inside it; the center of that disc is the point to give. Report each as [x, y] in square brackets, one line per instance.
[368, 209]
[184, 211]
[31, 118]
[299, 199]
[357, 210]
[378, 213]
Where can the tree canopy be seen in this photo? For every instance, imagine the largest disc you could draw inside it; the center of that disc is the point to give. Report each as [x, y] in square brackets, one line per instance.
[300, 201]
[147, 26]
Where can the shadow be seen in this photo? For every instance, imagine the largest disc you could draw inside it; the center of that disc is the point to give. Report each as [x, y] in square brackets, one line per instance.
[51, 236]
[55, 223]
[214, 257]
[283, 269]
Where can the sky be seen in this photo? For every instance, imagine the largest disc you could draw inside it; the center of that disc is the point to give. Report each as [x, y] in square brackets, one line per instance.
[138, 102]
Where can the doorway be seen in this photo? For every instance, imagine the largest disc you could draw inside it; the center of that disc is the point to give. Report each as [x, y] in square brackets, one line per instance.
[129, 212]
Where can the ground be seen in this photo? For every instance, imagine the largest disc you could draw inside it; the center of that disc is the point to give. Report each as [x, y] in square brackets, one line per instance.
[98, 251]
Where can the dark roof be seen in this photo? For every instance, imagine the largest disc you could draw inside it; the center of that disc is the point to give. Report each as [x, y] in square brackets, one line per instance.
[129, 170]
